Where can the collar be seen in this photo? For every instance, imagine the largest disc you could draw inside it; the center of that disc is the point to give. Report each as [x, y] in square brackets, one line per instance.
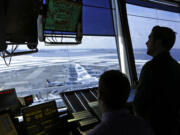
[114, 114]
[162, 55]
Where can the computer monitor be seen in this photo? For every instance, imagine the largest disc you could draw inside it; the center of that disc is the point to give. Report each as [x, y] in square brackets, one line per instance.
[41, 119]
[63, 15]
[21, 21]
[9, 100]
[6, 124]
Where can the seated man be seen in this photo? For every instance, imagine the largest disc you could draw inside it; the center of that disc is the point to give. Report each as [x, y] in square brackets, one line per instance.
[113, 92]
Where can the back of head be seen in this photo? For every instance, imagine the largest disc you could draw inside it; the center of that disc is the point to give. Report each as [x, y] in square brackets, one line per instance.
[114, 89]
[166, 35]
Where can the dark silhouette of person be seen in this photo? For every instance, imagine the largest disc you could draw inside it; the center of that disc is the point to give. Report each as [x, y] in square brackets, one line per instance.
[113, 92]
[157, 96]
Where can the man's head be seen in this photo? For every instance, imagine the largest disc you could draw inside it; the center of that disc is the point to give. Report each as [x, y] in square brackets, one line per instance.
[161, 39]
[113, 91]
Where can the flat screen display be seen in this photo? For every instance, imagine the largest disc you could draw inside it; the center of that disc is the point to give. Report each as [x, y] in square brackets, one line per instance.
[41, 119]
[6, 125]
[63, 15]
[21, 20]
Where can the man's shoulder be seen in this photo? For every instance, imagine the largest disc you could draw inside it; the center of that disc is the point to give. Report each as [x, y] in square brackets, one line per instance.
[147, 68]
[132, 124]
[175, 62]
[137, 126]
[136, 121]
[148, 63]
[98, 130]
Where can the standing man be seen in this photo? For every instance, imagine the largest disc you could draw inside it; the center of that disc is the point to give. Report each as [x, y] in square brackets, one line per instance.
[113, 92]
[157, 98]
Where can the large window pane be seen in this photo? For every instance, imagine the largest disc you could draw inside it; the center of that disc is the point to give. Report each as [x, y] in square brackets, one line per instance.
[55, 69]
[141, 21]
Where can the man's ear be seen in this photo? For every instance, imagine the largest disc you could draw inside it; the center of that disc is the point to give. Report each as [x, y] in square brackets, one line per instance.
[99, 96]
[158, 45]
[158, 42]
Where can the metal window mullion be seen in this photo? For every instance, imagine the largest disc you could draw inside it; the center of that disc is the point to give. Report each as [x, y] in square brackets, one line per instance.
[120, 43]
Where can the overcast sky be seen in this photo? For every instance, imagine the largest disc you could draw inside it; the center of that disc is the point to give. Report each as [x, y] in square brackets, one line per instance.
[142, 20]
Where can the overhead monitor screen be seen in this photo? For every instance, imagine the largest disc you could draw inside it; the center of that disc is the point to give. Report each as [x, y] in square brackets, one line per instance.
[21, 20]
[63, 15]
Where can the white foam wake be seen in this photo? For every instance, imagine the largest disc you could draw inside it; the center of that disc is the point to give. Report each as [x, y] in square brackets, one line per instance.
[83, 76]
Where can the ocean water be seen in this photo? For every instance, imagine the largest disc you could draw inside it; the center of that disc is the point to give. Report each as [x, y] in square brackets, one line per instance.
[64, 69]
[140, 54]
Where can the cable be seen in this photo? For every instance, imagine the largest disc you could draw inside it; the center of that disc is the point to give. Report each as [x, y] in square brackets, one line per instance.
[53, 37]
[49, 39]
[10, 55]
[61, 38]
[4, 58]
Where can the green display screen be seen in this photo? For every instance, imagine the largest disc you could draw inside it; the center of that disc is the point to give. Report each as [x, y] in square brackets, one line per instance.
[63, 15]
[41, 119]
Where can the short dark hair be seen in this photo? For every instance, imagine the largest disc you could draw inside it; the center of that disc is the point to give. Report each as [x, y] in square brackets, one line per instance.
[114, 89]
[167, 35]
